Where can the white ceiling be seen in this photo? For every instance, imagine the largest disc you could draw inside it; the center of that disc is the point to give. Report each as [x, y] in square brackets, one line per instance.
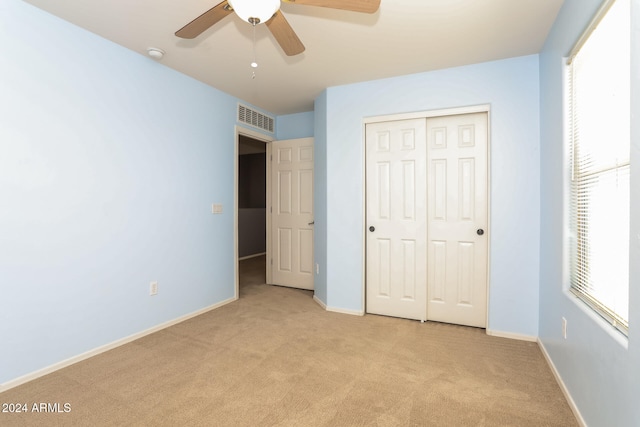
[342, 47]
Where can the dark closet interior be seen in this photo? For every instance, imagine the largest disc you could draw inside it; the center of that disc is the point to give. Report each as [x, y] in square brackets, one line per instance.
[252, 195]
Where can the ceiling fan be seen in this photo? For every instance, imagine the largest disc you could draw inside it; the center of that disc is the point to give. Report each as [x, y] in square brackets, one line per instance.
[268, 11]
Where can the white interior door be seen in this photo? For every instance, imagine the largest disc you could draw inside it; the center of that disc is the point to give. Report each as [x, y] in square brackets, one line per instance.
[457, 224]
[396, 218]
[291, 210]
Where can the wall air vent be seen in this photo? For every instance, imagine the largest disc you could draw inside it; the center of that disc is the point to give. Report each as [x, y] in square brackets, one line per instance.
[254, 118]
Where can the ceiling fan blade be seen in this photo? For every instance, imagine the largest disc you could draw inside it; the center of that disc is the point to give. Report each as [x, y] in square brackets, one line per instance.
[284, 34]
[203, 22]
[365, 6]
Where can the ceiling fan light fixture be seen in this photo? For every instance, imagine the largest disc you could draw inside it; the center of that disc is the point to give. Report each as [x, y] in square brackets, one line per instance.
[255, 11]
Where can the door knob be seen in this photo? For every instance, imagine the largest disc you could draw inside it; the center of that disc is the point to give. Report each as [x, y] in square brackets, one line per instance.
[372, 228]
[311, 223]
[480, 231]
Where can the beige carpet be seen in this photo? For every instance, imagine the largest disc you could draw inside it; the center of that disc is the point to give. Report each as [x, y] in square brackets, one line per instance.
[274, 357]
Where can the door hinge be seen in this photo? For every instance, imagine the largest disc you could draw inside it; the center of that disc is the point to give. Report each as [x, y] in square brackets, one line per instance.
[271, 261]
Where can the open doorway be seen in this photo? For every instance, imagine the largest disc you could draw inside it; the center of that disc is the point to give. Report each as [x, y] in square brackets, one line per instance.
[252, 213]
[282, 180]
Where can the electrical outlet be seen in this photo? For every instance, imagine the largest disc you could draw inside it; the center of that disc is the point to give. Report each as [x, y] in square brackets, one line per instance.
[564, 328]
[153, 288]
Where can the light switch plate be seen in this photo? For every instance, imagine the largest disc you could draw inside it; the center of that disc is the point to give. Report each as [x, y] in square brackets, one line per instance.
[216, 208]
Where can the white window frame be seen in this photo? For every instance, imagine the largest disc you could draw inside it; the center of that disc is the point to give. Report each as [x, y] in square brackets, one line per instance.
[618, 322]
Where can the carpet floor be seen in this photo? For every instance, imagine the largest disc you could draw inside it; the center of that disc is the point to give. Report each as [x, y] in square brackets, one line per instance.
[276, 358]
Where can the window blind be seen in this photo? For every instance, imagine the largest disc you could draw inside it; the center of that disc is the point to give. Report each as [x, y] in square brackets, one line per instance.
[599, 110]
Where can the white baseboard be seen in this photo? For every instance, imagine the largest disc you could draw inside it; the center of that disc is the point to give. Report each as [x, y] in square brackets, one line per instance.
[338, 310]
[563, 387]
[346, 311]
[511, 335]
[251, 256]
[320, 303]
[86, 355]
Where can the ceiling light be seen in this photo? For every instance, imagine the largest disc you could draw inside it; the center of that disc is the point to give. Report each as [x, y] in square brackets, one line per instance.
[155, 53]
[255, 11]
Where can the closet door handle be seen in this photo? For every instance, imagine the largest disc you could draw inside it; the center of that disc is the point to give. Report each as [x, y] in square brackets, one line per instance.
[311, 223]
[480, 231]
[372, 228]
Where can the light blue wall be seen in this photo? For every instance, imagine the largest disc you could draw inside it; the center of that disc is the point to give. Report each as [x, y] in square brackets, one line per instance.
[291, 126]
[512, 88]
[106, 185]
[600, 369]
[109, 163]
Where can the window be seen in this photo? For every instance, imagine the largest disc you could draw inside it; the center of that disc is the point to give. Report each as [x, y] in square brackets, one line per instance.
[599, 110]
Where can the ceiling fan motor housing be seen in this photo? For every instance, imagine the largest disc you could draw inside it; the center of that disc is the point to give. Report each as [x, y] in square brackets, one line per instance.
[255, 11]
